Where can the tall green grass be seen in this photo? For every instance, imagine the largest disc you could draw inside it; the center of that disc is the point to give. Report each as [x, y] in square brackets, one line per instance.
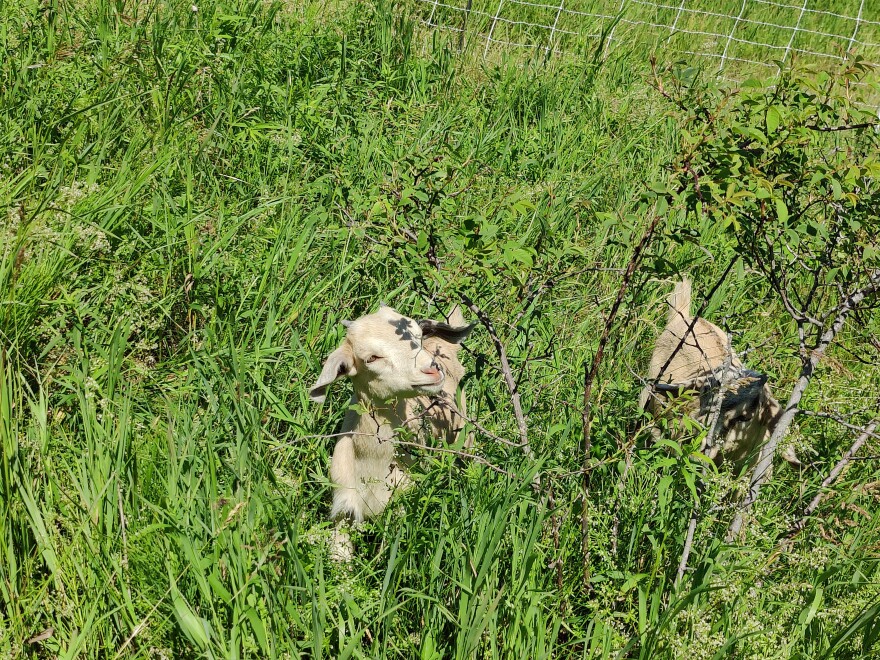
[193, 194]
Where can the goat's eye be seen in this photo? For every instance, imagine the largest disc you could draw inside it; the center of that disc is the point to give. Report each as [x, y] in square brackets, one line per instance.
[373, 358]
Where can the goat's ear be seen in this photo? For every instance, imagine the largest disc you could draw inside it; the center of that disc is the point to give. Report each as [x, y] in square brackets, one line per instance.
[339, 363]
[454, 334]
[770, 413]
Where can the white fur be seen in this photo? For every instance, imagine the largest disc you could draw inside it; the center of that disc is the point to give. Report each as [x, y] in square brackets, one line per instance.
[400, 379]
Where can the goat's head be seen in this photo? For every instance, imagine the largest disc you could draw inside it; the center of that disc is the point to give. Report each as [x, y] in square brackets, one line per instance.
[748, 412]
[383, 356]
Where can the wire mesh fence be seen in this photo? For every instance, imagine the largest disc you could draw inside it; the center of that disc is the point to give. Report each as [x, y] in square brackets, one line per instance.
[737, 37]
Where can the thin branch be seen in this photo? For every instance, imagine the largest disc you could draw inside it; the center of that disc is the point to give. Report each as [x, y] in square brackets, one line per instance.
[715, 420]
[456, 452]
[506, 372]
[688, 542]
[809, 363]
[845, 127]
[537, 291]
[482, 429]
[708, 448]
[590, 377]
[850, 455]
[708, 445]
[839, 419]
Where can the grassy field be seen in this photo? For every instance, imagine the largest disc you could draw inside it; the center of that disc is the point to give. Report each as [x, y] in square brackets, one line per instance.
[735, 37]
[193, 194]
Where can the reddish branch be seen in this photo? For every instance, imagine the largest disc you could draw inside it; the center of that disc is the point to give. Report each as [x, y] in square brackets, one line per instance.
[506, 372]
[589, 379]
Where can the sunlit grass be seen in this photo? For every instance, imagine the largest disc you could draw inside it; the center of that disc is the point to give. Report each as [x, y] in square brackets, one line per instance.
[193, 195]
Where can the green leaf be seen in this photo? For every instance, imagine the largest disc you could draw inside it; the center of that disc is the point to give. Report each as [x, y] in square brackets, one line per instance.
[690, 480]
[217, 587]
[514, 252]
[674, 446]
[632, 581]
[772, 119]
[259, 629]
[662, 206]
[663, 493]
[192, 625]
[781, 210]
[809, 612]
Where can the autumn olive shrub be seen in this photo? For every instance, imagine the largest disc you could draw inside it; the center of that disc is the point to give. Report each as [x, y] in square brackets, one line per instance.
[790, 171]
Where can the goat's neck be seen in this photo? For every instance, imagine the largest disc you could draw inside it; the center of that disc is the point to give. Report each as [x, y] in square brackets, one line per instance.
[375, 418]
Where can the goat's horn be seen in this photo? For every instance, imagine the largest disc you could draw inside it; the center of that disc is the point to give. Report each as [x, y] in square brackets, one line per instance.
[668, 387]
[677, 388]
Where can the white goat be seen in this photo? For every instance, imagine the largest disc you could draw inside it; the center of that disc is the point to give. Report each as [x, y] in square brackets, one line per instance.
[405, 375]
[701, 363]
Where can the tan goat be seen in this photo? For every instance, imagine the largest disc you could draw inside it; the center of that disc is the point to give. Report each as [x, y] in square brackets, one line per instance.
[702, 364]
[404, 375]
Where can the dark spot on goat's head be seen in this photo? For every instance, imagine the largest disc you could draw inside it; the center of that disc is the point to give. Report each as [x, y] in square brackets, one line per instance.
[403, 327]
[444, 331]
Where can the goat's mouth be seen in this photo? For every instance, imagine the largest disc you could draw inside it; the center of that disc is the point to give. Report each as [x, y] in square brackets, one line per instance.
[431, 387]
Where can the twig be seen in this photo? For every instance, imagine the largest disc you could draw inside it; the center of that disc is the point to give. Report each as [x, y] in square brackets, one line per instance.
[837, 418]
[707, 448]
[506, 372]
[845, 127]
[867, 432]
[537, 291]
[482, 429]
[809, 362]
[456, 452]
[717, 400]
[614, 458]
[590, 376]
[688, 542]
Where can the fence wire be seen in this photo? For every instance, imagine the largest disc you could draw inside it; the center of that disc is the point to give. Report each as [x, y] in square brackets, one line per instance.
[739, 37]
